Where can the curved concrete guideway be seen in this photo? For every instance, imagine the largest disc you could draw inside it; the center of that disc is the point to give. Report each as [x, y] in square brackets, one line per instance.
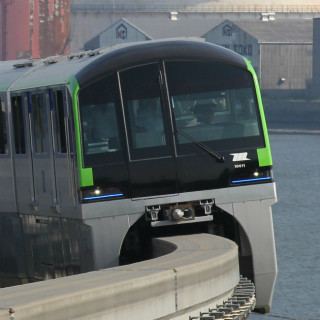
[201, 270]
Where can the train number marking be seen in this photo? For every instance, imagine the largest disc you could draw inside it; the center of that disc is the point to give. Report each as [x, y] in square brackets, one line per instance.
[242, 165]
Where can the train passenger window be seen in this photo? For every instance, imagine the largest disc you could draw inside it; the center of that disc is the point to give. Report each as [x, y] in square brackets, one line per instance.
[143, 107]
[18, 124]
[39, 123]
[58, 115]
[99, 103]
[213, 103]
[3, 129]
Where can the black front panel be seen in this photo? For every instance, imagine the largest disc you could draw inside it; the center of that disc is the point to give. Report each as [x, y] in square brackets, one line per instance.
[201, 171]
[165, 127]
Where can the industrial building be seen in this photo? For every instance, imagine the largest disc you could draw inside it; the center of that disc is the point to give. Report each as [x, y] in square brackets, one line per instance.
[279, 50]
[89, 18]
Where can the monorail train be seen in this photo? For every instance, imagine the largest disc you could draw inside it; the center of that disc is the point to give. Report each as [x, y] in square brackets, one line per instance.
[103, 150]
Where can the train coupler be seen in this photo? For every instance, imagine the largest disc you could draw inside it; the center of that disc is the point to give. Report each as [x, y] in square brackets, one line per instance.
[207, 205]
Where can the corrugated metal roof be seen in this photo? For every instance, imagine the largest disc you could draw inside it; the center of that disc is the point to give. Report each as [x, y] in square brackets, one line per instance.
[177, 4]
[278, 31]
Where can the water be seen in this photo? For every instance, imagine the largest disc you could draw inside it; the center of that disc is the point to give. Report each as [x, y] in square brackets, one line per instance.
[296, 219]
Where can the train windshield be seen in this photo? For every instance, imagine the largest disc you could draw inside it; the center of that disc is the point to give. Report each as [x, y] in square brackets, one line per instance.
[215, 104]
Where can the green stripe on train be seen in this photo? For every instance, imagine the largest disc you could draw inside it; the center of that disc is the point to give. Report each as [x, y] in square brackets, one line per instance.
[85, 174]
[264, 154]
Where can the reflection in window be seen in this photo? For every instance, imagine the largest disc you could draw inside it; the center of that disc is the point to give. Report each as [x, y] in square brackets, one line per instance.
[3, 129]
[142, 101]
[39, 123]
[18, 125]
[212, 102]
[100, 132]
[60, 131]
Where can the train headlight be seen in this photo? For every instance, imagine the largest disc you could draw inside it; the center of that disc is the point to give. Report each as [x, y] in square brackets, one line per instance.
[97, 193]
[256, 176]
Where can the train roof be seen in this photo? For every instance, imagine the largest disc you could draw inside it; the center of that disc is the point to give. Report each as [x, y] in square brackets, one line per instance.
[89, 65]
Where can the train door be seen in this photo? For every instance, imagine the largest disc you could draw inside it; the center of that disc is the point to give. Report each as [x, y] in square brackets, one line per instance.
[23, 168]
[51, 153]
[64, 192]
[41, 152]
[151, 158]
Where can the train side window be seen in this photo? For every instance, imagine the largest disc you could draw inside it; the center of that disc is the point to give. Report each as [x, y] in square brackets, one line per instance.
[39, 122]
[58, 116]
[144, 112]
[99, 108]
[3, 129]
[18, 124]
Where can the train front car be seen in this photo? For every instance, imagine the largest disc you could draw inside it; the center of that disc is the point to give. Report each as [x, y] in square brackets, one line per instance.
[173, 140]
[104, 150]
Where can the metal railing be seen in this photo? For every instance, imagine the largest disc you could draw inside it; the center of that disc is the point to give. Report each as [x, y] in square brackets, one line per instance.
[198, 8]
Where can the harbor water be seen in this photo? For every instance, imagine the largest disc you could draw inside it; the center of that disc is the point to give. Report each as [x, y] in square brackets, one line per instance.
[296, 218]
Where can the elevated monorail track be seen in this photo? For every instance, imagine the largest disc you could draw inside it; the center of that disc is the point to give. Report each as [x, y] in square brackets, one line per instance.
[201, 272]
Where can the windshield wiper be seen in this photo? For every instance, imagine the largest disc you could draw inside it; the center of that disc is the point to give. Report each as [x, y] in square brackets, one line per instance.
[216, 155]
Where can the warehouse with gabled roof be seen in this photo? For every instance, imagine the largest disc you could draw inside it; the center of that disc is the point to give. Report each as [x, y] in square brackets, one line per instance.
[279, 50]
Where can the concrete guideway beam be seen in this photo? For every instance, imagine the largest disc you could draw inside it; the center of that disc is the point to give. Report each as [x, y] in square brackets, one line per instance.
[201, 270]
